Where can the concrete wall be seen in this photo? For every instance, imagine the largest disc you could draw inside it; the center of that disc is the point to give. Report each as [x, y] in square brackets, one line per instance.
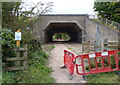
[106, 32]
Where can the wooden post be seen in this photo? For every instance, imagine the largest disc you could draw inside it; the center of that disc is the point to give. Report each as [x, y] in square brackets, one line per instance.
[118, 27]
[106, 21]
[18, 56]
[88, 47]
[105, 44]
[18, 52]
[25, 55]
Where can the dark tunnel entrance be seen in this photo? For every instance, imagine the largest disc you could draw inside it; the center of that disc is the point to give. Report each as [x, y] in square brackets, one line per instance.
[72, 29]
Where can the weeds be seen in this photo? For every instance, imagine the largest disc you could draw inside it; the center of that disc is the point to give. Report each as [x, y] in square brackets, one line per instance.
[70, 48]
[108, 77]
[51, 46]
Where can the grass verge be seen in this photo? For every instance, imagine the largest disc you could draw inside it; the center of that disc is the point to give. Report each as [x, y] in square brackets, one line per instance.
[108, 77]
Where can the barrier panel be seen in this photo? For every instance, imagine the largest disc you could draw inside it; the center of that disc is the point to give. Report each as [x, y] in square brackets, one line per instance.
[69, 58]
[98, 62]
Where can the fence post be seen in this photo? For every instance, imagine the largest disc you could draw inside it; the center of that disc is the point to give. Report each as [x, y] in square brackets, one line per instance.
[25, 55]
[18, 38]
[106, 21]
[112, 23]
[118, 27]
[18, 56]
[105, 44]
[88, 47]
[83, 47]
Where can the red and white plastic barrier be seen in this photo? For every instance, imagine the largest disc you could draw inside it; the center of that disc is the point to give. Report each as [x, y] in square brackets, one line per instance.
[92, 63]
[69, 59]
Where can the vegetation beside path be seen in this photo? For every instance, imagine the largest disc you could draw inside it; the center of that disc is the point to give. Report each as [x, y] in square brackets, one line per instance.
[108, 77]
[38, 72]
[14, 19]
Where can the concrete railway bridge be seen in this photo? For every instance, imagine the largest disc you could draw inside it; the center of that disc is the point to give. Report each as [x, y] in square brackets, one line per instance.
[79, 27]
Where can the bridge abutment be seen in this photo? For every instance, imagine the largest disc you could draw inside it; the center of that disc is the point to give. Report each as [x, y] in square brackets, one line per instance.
[79, 27]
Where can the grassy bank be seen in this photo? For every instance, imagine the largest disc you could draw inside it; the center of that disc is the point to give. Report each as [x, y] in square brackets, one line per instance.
[38, 72]
[108, 77]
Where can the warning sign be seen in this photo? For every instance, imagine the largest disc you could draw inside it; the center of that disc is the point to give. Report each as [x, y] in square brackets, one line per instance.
[18, 36]
[91, 55]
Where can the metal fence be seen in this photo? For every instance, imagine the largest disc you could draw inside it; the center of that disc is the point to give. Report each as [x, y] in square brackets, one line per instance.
[106, 21]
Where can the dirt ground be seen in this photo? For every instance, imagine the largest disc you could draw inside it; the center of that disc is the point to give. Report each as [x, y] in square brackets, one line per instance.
[56, 61]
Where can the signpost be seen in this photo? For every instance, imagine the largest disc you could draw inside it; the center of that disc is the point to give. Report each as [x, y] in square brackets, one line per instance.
[18, 39]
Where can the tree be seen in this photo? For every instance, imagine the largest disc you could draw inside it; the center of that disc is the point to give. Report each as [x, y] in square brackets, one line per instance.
[109, 10]
[9, 10]
[15, 15]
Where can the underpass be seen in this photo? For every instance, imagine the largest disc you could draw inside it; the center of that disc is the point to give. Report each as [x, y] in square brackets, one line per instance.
[70, 28]
[79, 27]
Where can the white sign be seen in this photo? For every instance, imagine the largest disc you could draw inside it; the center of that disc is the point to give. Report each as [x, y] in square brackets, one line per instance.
[104, 53]
[91, 55]
[18, 36]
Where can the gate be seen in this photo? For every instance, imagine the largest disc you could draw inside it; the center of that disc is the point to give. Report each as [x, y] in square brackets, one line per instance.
[20, 62]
